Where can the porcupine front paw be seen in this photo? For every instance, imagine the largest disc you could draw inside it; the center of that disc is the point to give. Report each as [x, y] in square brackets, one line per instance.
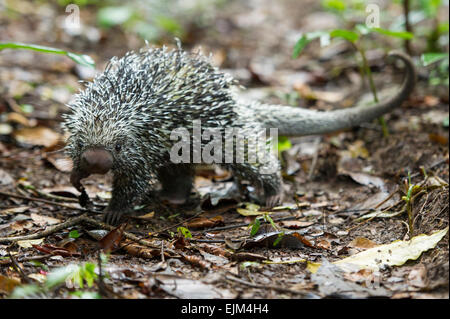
[112, 217]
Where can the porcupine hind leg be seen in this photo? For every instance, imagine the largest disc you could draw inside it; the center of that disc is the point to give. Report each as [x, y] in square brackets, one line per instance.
[265, 177]
[176, 180]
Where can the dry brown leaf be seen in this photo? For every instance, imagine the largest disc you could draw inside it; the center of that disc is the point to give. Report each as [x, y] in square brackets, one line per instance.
[361, 242]
[37, 136]
[14, 210]
[431, 100]
[61, 162]
[7, 284]
[203, 222]
[441, 139]
[323, 243]
[244, 256]
[215, 250]
[112, 239]
[142, 251]
[196, 261]
[44, 220]
[56, 250]
[20, 119]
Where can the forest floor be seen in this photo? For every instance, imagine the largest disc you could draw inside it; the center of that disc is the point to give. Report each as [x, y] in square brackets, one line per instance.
[331, 182]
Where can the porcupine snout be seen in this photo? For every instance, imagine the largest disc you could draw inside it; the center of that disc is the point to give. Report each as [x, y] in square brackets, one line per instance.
[96, 161]
[92, 161]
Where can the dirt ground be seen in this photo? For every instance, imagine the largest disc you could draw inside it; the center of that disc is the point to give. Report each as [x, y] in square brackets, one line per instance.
[330, 181]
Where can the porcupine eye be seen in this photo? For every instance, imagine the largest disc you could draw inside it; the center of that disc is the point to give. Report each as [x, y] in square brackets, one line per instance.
[118, 147]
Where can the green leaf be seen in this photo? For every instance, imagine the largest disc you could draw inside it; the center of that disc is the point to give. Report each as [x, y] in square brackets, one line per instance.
[78, 58]
[308, 37]
[299, 46]
[283, 143]
[111, 16]
[443, 27]
[81, 59]
[255, 227]
[74, 234]
[27, 108]
[279, 238]
[89, 274]
[445, 122]
[430, 58]
[345, 34]
[396, 34]
[34, 47]
[185, 232]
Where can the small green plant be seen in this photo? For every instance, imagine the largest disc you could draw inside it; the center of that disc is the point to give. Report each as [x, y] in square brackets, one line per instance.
[354, 37]
[76, 275]
[411, 190]
[81, 59]
[256, 224]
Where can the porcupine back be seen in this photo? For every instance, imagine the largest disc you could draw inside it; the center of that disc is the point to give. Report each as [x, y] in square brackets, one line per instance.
[147, 95]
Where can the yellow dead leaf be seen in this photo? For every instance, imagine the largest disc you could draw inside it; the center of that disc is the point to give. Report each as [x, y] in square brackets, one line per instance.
[38, 277]
[393, 254]
[251, 210]
[30, 242]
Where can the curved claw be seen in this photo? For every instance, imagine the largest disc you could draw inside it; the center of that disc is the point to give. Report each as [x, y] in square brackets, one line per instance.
[273, 200]
[112, 217]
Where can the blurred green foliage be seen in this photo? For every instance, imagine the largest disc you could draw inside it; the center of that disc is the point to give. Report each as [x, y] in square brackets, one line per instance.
[78, 275]
[152, 19]
[439, 74]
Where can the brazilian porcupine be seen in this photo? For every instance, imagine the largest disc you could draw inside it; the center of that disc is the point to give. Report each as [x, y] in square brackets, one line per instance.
[122, 121]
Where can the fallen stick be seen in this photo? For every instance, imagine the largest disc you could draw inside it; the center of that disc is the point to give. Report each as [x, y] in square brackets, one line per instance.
[47, 231]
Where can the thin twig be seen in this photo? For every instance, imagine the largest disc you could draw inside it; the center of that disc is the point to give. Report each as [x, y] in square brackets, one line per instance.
[241, 225]
[44, 201]
[17, 267]
[49, 230]
[26, 258]
[127, 235]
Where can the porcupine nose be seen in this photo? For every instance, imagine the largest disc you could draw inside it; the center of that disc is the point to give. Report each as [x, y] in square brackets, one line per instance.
[96, 161]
